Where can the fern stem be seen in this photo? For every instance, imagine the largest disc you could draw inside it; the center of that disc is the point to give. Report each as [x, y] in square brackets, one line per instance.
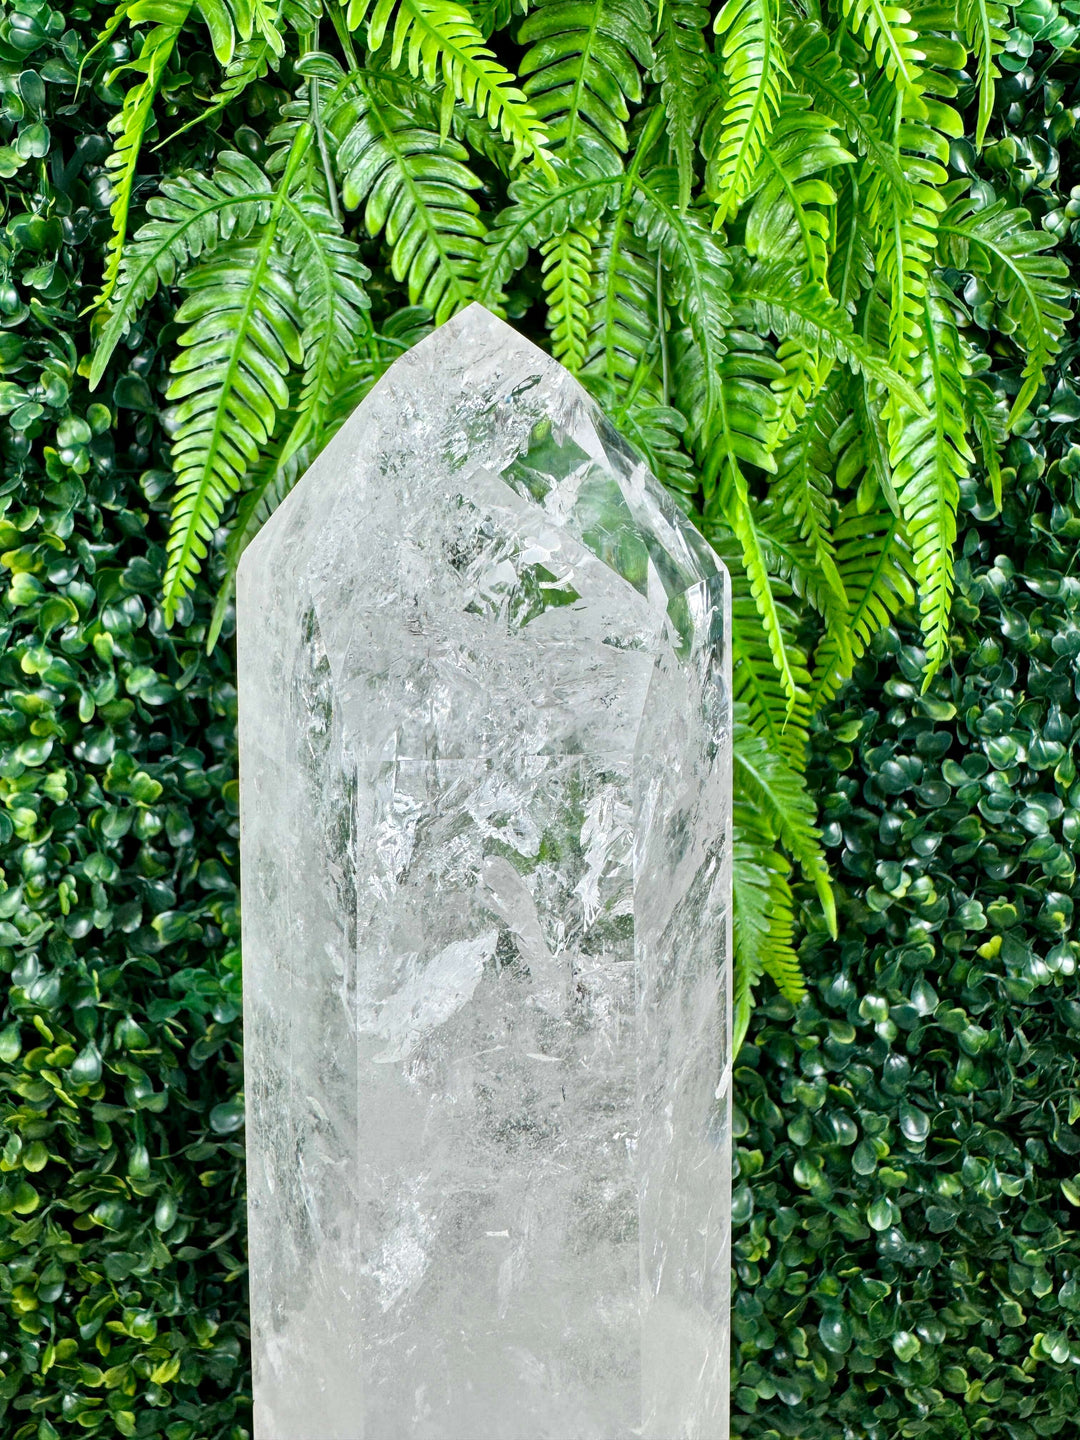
[345, 39]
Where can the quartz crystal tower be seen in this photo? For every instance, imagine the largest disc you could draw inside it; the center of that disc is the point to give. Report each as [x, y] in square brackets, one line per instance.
[485, 770]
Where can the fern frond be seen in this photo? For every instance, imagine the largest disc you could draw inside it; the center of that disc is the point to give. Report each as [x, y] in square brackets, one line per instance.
[731, 413]
[566, 264]
[229, 379]
[134, 119]
[746, 525]
[802, 490]
[839, 92]
[191, 214]
[851, 264]
[266, 487]
[985, 28]
[872, 559]
[275, 255]
[754, 69]
[768, 781]
[329, 281]
[731, 509]
[1002, 247]
[789, 217]
[757, 687]
[803, 375]
[251, 62]
[492, 15]
[229, 385]
[698, 268]
[764, 919]
[428, 104]
[658, 431]
[907, 233]
[624, 348]
[414, 185]
[937, 24]
[683, 69]
[538, 209]
[988, 423]
[792, 560]
[886, 31]
[869, 423]
[780, 298]
[582, 68]
[930, 457]
[232, 22]
[439, 40]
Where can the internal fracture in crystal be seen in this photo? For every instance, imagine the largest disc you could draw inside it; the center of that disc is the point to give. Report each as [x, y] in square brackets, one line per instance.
[485, 783]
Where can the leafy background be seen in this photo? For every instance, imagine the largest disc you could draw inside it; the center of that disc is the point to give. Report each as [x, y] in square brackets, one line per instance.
[906, 1250]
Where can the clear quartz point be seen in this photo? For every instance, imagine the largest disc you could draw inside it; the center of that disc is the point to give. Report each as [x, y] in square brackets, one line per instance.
[486, 809]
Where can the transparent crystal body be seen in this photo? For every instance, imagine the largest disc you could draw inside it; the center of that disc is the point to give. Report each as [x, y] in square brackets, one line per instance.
[485, 791]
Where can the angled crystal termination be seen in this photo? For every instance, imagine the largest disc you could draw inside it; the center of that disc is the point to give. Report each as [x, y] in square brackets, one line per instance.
[485, 781]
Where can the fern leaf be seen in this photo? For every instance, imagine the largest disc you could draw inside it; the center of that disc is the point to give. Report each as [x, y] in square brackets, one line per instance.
[539, 209]
[789, 217]
[582, 69]
[223, 28]
[624, 346]
[872, 559]
[754, 69]
[851, 264]
[780, 298]
[985, 28]
[191, 214]
[229, 384]
[131, 125]
[657, 431]
[428, 104]
[803, 375]
[698, 268]
[731, 412]
[755, 558]
[802, 491]
[930, 457]
[330, 295]
[415, 188]
[245, 333]
[683, 68]
[839, 92]
[778, 791]
[251, 62]
[988, 422]
[907, 233]
[566, 263]
[1001, 246]
[757, 686]
[886, 31]
[439, 39]
[811, 577]
[764, 920]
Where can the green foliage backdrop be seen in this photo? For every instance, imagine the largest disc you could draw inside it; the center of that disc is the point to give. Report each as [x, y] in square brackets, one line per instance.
[738, 225]
[816, 306]
[909, 1252]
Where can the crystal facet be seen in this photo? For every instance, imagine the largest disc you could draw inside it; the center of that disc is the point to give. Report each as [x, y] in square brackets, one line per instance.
[485, 770]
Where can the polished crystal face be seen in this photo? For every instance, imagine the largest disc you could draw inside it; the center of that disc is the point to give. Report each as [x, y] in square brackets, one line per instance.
[485, 783]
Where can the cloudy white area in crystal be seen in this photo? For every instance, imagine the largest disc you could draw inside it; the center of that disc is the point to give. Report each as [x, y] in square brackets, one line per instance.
[485, 789]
